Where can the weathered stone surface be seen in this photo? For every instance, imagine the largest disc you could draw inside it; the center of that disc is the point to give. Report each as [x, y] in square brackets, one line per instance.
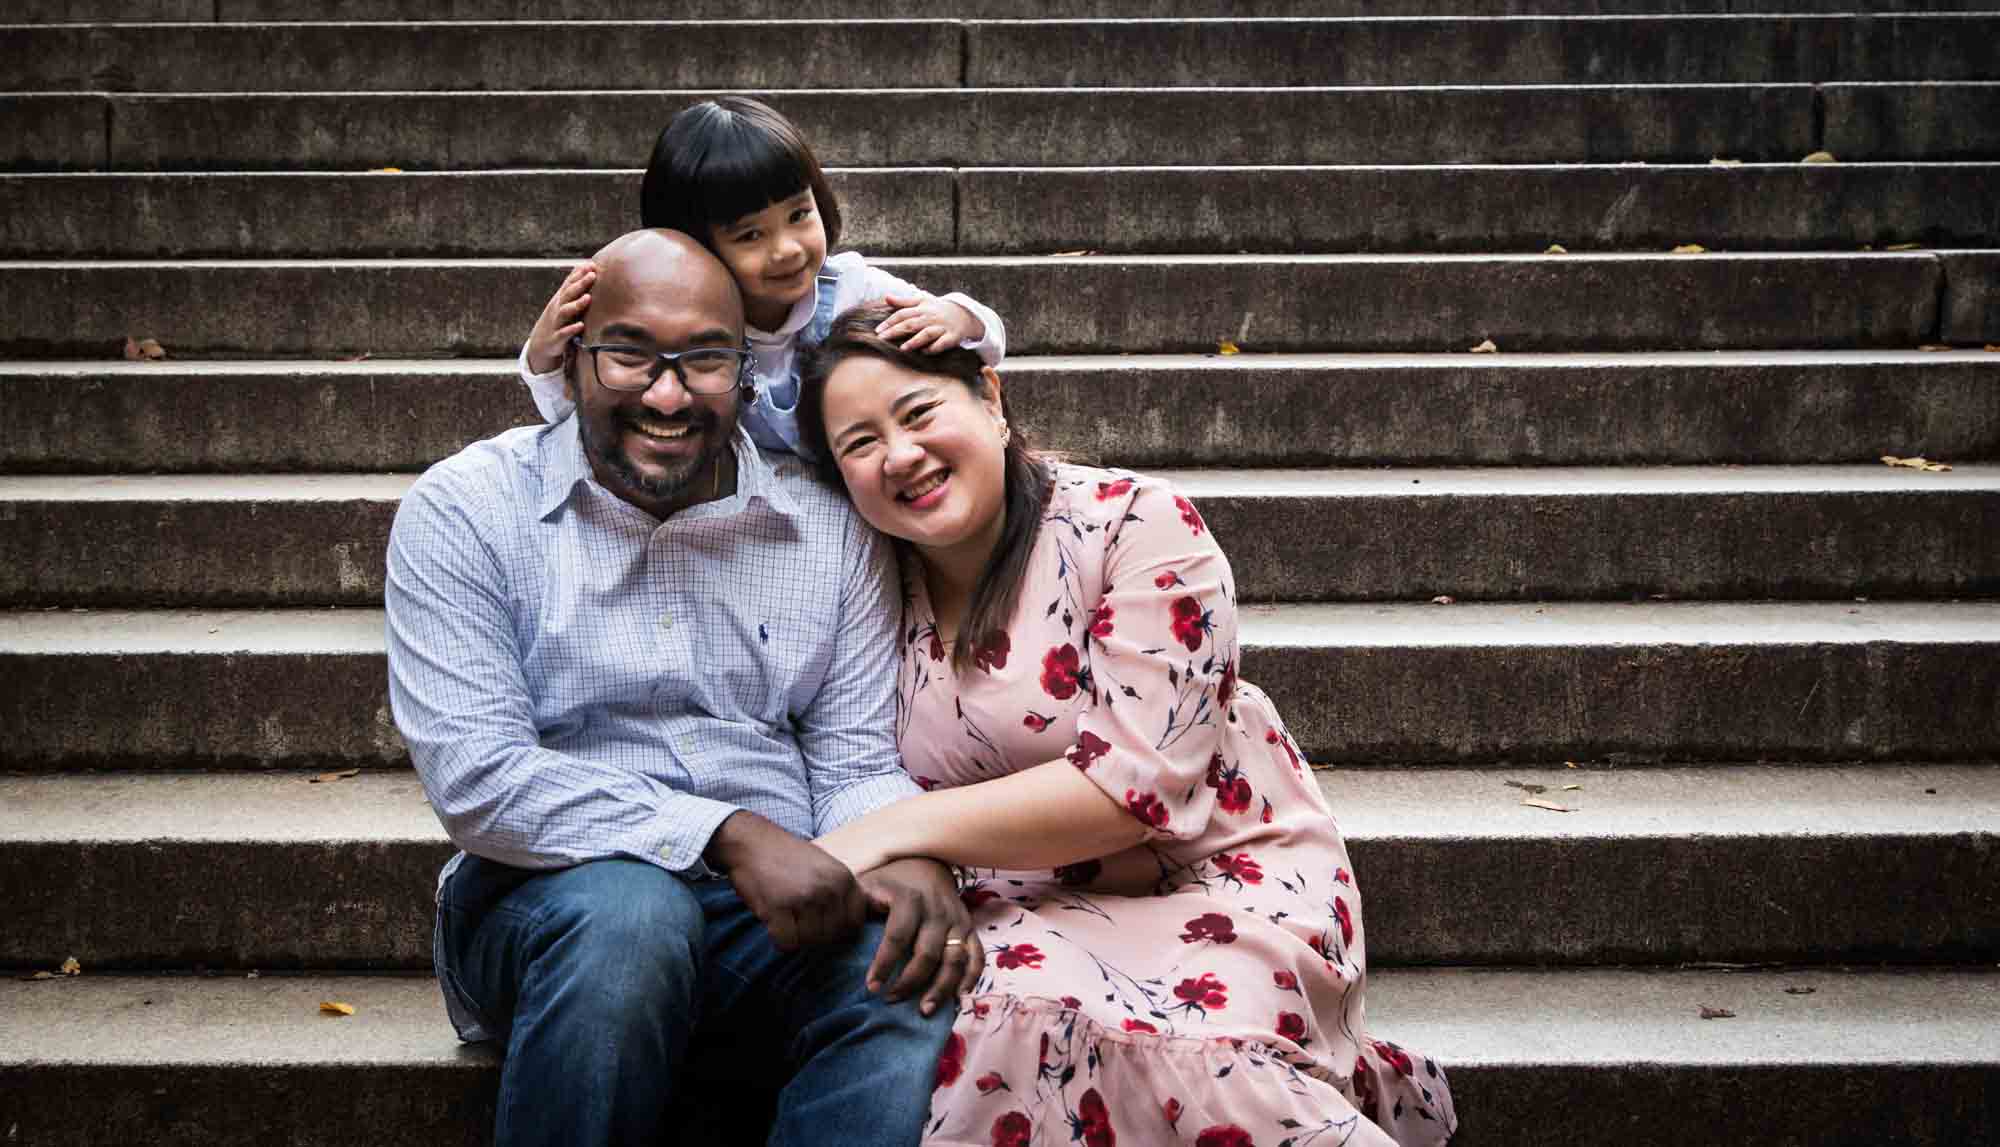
[1051, 305]
[1358, 684]
[1244, 410]
[467, 131]
[991, 9]
[1647, 49]
[54, 133]
[497, 57]
[1341, 535]
[1730, 862]
[1475, 209]
[1972, 298]
[1931, 121]
[434, 214]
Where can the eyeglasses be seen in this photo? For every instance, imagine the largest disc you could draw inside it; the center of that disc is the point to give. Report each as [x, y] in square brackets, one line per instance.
[702, 370]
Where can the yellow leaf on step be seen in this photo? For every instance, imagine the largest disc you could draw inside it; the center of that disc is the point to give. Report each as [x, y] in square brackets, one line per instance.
[1690, 249]
[334, 1008]
[1820, 157]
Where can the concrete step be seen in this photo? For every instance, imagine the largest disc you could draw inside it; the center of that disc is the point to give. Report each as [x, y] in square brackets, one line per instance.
[1566, 1058]
[1292, 535]
[1654, 865]
[1079, 305]
[1358, 684]
[531, 56]
[1337, 410]
[974, 211]
[1052, 127]
[900, 211]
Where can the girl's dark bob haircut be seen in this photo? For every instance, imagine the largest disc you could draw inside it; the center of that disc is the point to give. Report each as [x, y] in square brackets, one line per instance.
[725, 158]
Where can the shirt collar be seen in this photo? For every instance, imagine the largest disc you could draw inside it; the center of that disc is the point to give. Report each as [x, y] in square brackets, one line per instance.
[795, 321]
[756, 478]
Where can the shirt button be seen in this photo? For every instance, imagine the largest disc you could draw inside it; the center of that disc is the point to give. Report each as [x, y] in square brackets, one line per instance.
[666, 621]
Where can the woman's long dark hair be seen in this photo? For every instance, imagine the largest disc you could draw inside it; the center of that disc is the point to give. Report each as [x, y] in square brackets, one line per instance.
[724, 158]
[1029, 476]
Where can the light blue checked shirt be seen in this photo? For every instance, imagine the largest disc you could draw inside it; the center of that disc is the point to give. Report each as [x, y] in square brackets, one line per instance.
[577, 679]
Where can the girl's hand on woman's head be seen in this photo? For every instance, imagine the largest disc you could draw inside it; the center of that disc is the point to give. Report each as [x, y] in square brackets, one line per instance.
[562, 319]
[926, 322]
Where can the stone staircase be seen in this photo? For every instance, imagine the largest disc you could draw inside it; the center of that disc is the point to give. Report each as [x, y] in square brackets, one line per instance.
[1678, 564]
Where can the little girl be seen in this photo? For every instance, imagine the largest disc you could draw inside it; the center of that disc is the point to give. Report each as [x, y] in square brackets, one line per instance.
[740, 179]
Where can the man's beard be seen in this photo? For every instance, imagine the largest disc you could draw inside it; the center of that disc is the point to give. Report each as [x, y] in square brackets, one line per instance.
[661, 487]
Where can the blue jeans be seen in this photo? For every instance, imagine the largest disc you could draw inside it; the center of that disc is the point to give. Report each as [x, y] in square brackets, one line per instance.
[607, 980]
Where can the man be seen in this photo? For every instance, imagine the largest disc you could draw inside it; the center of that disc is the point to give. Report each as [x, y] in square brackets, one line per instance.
[639, 665]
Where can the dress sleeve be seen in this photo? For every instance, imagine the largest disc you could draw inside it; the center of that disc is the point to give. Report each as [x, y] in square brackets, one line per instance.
[551, 397]
[1161, 646]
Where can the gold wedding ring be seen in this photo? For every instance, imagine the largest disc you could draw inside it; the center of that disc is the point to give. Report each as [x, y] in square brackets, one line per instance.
[954, 942]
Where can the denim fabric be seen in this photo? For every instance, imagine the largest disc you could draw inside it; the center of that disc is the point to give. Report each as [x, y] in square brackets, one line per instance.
[772, 418]
[611, 981]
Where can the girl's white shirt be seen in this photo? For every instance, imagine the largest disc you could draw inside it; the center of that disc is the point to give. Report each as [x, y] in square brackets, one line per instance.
[774, 354]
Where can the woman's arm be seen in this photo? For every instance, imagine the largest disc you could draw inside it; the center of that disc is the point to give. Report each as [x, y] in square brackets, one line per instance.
[1041, 817]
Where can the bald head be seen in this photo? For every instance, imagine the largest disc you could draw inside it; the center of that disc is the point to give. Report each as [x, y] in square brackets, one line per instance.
[664, 268]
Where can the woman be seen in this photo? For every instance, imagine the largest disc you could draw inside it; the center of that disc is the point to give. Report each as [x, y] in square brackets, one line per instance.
[1173, 936]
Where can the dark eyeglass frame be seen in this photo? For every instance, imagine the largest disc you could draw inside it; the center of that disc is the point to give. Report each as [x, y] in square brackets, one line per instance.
[664, 360]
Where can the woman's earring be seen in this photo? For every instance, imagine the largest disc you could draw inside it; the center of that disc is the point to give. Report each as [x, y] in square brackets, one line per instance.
[1006, 432]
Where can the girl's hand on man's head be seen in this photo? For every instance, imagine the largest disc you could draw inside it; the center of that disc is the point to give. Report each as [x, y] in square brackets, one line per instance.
[561, 319]
[928, 323]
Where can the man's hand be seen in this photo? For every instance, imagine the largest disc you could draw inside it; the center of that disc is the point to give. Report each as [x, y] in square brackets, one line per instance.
[803, 896]
[928, 322]
[924, 911]
[561, 319]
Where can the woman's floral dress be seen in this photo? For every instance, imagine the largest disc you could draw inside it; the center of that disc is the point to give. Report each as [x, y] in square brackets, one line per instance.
[1204, 987]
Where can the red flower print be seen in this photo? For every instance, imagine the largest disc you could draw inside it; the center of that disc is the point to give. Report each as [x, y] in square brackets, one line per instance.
[1071, 1002]
[1100, 621]
[1206, 992]
[937, 646]
[1082, 872]
[990, 1083]
[1346, 917]
[1190, 622]
[1234, 794]
[1271, 737]
[951, 1061]
[1394, 1056]
[1035, 722]
[1225, 692]
[1012, 1130]
[1167, 580]
[1147, 807]
[1093, 1122]
[1188, 514]
[1267, 810]
[1060, 671]
[981, 1008]
[1292, 1026]
[1224, 1135]
[973, 896]
[1141, 1026]
[1109, 490]
[1365, 1099]
[1018, 956]
[1089, 746]
[992, 651]
[1340, 876]
[1286, 980]
[1239, 866]
[924, 783]
[1210, 926]
[1172, 1110]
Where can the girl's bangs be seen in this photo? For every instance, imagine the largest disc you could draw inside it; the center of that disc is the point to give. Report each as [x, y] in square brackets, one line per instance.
[743, 171]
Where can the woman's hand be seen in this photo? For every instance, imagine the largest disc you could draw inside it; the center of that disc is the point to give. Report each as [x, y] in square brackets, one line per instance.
[561, 319]
[926, 322]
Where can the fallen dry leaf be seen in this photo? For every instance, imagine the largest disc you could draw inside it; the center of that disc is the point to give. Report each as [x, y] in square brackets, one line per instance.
[143, 350]
[1527, 786]
[1444, 599]
[1902, 246]
[1800, 991]
[1571, 788]
[328, 778]
[1993, 347]
[70, 967]
[1934, 346]
[362, 357]
[1486, 346]
[1923, 464]
[1537, 802]
[39, 976]
[334, 1008]
[1569, 764]
[1069, 254]
[385, 171]
[1820, 157]
[1690, 249]
[1718, 161]
[1709, 1013]
[1227, 347]
[1556, 249]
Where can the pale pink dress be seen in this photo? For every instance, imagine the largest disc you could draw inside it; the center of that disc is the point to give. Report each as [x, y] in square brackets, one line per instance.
[1205, 987]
